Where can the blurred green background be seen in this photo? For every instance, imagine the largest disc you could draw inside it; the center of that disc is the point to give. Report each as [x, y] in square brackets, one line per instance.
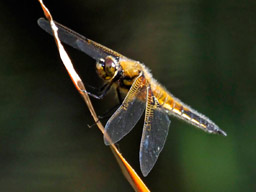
[203, 51]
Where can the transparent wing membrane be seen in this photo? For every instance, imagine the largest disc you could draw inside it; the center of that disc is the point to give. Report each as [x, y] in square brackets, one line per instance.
[77, 41]
[127, 115]
[155, 131]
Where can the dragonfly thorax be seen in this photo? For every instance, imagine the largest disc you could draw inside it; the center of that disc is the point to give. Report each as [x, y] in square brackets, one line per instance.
[107, 68]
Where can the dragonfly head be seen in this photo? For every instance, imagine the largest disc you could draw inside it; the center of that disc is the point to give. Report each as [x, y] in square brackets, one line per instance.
[107, 68]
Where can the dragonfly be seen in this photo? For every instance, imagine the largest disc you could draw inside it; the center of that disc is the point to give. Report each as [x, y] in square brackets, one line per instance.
[143, 94]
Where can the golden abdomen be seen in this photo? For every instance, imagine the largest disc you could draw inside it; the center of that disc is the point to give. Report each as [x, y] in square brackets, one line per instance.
[174, 106]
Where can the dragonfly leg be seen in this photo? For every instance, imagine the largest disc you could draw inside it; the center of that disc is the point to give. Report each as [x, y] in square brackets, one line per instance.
[92, 125]
[105, 115]
[109, 112]
[104, 90]
[93, 95]
[96, 88]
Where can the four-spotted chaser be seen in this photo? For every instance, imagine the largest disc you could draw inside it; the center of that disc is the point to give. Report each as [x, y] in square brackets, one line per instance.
[143, 93]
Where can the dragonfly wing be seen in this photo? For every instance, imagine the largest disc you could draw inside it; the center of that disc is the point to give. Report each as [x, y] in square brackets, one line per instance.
[77, 41]
[127, 115]
[96, 50]
[155, 131]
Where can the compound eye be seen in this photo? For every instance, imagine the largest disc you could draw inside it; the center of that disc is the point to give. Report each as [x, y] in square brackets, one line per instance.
[107, 68]
[110, 65]
[110, 62]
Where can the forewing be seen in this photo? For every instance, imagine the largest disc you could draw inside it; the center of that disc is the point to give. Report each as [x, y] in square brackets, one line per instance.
[128, 114]
[155, 131]
[77, 41]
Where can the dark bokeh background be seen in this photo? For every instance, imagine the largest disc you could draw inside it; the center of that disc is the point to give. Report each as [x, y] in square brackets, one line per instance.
[204, 52]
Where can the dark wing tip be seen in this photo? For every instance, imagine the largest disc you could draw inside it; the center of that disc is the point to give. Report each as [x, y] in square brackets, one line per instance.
[42, 22]
[41, 19]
